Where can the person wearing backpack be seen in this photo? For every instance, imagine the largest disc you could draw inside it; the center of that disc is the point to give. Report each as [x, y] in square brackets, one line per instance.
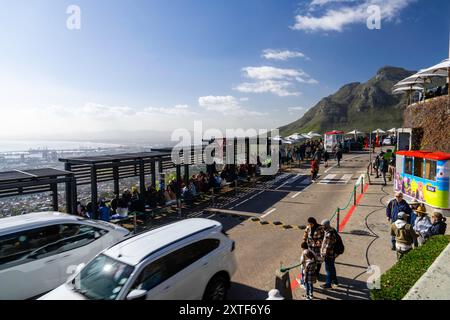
[404, 235]
[313, 236]
[329, 254]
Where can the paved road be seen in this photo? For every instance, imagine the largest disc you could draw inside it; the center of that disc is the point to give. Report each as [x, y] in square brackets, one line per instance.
[290, 198]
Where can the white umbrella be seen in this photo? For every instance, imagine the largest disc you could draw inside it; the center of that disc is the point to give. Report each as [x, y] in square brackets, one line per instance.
[438, 68]
[313, 135]
[379, 131]
[393, 130]
[355, 132]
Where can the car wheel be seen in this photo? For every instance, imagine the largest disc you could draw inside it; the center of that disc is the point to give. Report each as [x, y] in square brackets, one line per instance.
[217, 289]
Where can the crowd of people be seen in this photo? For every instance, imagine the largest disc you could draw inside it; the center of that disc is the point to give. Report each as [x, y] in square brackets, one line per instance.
[133, 201]
[410, 224]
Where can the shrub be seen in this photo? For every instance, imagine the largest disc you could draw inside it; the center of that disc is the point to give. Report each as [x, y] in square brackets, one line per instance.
[397, 281]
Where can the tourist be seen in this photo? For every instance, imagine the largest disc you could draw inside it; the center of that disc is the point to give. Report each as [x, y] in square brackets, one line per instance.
[383, 168]
[305, 250]
[104, 211]
[314, 169]
[326, 157]
[313, 236]
[339, 154]
[274, 294]
[438, 225]
[327, 252]
[404, 235]
[376, 165]
[422, 224]
[393, 208]
[310, 275]
[115, 203]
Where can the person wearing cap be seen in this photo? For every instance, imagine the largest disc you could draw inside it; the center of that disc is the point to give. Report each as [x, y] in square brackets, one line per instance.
[438, 224]
[422, 224]
[274, 294]
[404, 235]
[393, 208]
[328, 254]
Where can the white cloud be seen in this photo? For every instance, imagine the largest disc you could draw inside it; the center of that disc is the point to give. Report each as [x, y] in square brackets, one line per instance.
[178, 110]
[280, 88]
[227, 105]
[273, 80]
[282, 55]
[344, 13]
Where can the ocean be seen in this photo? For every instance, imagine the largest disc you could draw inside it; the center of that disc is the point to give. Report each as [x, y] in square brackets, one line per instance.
[26, 145]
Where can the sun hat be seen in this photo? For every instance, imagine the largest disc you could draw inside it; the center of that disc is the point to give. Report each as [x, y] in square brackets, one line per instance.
[274, 294]
[402, 215]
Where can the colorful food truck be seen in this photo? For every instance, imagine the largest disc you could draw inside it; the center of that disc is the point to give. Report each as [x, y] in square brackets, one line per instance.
[332, 138]
[424, 176]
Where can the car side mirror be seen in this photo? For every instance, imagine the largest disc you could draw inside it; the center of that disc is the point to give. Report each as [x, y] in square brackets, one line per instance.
[136, 294]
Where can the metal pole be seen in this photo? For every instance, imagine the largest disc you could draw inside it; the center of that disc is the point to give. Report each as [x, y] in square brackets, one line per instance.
[370, 152]
[68, 167]
[54, 188]
[354, 195]
[94, 193]
[153, 172]
[338, 213]
[362, 184]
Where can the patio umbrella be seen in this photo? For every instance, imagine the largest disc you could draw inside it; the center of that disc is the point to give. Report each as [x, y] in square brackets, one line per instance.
[379, 131]
[355, 132]
[313, 135]
[393, 130]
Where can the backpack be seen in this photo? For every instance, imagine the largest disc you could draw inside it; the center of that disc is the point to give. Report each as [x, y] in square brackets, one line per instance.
[339, 247]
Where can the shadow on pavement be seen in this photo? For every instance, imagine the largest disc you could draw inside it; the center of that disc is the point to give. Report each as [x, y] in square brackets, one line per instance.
[349, 289]
[240, 291]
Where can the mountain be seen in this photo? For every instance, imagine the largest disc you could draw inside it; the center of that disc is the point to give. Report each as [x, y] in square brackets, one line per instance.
[363, 106]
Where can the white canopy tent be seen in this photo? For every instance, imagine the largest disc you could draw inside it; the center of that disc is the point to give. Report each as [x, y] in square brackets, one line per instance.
[313, 135]
[355, 132]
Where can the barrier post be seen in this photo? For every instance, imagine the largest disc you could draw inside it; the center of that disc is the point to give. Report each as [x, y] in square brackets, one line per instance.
[338, 213]
[354, 195]
[362, 184]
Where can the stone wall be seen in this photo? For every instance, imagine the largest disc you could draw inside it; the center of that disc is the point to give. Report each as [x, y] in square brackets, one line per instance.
[432, 119]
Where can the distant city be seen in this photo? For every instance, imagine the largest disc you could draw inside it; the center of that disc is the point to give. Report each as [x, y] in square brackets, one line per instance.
[19, 156]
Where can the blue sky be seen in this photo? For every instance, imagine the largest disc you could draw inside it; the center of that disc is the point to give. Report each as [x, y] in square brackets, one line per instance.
[161, 64]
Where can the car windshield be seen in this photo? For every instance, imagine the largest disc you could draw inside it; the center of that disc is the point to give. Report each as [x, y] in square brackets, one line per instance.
[102, 279]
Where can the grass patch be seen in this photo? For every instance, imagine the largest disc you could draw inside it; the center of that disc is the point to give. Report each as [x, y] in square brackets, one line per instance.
[397, 281]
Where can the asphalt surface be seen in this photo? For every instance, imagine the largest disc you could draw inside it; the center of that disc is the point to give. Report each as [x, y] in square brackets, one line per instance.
[287, 200]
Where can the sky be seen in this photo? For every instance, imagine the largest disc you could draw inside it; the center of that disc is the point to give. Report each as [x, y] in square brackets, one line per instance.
[163, 64]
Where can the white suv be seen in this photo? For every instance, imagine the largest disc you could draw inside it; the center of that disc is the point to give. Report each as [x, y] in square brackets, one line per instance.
[191, 259]
[40, 251]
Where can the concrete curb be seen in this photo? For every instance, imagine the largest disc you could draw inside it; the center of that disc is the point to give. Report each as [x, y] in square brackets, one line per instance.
[435, 282]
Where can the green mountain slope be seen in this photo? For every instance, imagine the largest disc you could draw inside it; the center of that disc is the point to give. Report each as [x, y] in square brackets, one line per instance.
[363, 106]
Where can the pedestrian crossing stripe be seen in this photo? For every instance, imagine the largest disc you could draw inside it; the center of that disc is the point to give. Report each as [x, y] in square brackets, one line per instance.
[331, 179]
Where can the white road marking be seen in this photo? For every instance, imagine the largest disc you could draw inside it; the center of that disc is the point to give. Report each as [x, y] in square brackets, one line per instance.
[270, 211]
[326, 171]
[327, 179]
[296, 195]
[345, 179]
[290, 181]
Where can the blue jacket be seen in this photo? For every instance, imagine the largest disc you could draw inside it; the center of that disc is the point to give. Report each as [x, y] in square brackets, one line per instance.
[104, 213]
[394, 207]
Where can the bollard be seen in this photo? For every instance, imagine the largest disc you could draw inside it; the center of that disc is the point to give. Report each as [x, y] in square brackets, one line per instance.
[362, 184]
[354, 195]
[283, 284]
[338, 213]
